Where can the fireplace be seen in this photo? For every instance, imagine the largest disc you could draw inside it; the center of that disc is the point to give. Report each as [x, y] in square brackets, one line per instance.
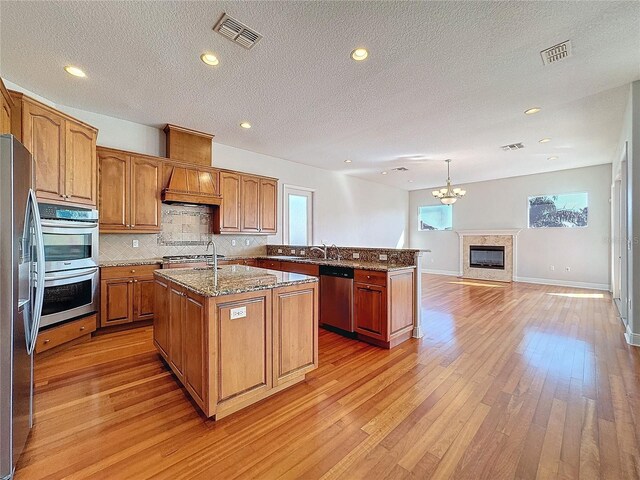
[486, 256]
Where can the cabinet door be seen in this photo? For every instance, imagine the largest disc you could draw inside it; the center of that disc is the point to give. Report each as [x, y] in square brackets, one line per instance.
[145, 194]
[43, 135]
[176, 328]
[295, 330]
[230, 208]
[401, 301]
[143, 304]
[244, 348]
[250, 195]
[116, 301]
[370, 310]
[268, 206]
[161, 319]
[80, 164]
[5, 110]
[195, 351]
[113, 201]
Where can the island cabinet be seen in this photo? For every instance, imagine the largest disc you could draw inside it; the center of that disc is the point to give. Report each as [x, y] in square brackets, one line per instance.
[383, 306]
[249, 204]
[230, 351]
[63, 149]
[126, 294]
[129, 186]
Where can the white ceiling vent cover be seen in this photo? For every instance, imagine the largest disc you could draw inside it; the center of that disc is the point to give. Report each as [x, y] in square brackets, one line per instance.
[512, 146]
[556, 53]
[237, 32]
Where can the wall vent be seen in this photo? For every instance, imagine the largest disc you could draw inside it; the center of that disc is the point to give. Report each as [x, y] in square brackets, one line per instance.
[512, 146]
[237, 32]
[556, 53]
[401, 169]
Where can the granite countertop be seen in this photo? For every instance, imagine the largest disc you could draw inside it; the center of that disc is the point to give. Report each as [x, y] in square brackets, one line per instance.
[232, 279]
[129, 263]
[359, 264]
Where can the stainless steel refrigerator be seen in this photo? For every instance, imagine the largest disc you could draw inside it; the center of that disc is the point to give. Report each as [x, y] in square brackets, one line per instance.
[21, 296]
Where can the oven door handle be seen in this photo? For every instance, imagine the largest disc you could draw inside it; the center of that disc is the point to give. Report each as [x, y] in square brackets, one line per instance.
[68, 224]
[76, 273]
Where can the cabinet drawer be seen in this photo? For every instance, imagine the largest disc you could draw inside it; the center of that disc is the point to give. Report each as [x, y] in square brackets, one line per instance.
[303, 268]
[372, 277]
[107, 273]
[270, 264]
[52, 337]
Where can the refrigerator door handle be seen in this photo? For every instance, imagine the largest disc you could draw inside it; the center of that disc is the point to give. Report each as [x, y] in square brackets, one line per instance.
[39, 291]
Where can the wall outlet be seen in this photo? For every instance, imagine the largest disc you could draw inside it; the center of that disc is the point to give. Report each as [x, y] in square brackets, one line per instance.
[293, 251]
[279, 250]
[247, 242]
[383, 256]
[239, 312]
[135, 244]
[356, 255]
[302, 252]
[567, 269]
[233, 243]
[552, 268]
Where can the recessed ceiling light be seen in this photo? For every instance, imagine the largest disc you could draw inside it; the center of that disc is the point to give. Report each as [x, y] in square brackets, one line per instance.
[384, 173]
[552, 158]
[347, 161]
[532, 110]
[75, 71]
[209, 59]
[410, 181]
[544, 140]
[246, 125]
[359, 54]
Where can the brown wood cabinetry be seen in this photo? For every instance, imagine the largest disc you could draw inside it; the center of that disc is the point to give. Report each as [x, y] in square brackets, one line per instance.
[188, 145]
[63, 149]
[126, 294]
[303, 268]
[129, 185]
[6, 110]
[249, 204]
[227, 362]
[51, 337]
[184, 183]
[270, 264]
[383, 306]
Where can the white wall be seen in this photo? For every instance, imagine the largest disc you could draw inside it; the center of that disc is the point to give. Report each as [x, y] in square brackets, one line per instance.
[348, 211]
[502, 204]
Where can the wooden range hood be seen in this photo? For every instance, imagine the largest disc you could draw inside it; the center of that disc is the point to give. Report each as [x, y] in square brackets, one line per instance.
[195, 183]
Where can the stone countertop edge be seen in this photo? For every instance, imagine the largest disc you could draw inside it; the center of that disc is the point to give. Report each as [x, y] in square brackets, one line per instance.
[236, 286]
[129, 263]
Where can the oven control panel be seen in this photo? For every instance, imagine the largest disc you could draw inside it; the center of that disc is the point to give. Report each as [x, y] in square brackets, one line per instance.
[51, 211]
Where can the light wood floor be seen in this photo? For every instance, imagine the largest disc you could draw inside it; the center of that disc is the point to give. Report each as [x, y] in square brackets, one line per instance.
[510, 381]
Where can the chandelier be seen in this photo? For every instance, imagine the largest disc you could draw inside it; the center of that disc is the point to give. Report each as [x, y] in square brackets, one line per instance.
[449, 196]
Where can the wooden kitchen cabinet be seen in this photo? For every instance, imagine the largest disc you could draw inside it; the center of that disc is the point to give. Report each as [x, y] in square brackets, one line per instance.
[129, 186]
[384, 306]
[176, 325]
[249, 204]
[63, 149]
[161, 318]
[126, 294]
[6, 110]
[269, 264]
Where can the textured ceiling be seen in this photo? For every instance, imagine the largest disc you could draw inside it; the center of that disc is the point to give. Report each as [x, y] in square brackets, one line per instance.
[443, 79]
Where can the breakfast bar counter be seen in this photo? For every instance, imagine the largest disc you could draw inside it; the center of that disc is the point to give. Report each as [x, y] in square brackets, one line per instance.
[237, 337]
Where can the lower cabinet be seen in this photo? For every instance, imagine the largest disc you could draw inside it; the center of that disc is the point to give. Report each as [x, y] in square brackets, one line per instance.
[384, 306]
[126, 294]
[51, 337]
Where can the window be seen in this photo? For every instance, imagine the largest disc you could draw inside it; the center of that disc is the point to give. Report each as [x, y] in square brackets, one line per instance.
[298, 215]
[435, 217]
[563, 210]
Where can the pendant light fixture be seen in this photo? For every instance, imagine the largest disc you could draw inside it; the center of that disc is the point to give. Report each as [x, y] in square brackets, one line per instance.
[449, 196]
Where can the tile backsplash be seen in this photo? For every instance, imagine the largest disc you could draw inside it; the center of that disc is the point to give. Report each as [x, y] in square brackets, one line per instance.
[185, 231]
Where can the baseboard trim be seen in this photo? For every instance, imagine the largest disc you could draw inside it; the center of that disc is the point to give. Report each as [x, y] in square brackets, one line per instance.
[449, 273]
[632, 338]
[564, 283]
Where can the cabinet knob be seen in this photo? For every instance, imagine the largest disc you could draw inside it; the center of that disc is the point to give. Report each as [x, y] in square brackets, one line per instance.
[62, 195]
[135, 281]
[46, 341]
[82, 328]
[368, 276]
[133, 271]
[130, 281]
[128, 226]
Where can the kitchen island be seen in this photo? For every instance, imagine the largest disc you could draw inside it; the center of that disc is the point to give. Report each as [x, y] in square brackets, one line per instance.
[237, 337]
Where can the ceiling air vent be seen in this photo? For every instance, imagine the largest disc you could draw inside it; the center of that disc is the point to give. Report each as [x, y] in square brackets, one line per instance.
[556, 53]
[512, 146]
[237, 32]
[401, 169]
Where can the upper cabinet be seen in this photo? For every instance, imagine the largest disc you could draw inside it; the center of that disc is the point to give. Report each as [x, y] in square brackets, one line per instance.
[190, 146]
[5, 110]
[249, 204]
[185, 183]
[129, 186]
[63, 149]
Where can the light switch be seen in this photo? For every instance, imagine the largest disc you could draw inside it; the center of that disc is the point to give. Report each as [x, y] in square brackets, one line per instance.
[233, 243]
[383, 256]
[238, 312]
[135, 244]
[247, 242]
[279, 250]
[356, 255]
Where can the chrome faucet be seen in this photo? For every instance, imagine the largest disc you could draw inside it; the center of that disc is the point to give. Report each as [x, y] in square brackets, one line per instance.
[321, 250]
[215, 259]
[333, 245]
